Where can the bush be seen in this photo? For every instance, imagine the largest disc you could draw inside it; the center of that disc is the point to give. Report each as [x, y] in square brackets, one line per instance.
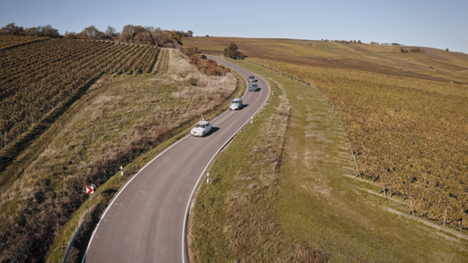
[208, 66]
[232, 51]
[190, 51]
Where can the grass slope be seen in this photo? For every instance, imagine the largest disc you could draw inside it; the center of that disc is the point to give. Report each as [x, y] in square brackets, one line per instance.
[117, 120]
[234, 215]
[404, 113]
[315, 202]
[174, 79]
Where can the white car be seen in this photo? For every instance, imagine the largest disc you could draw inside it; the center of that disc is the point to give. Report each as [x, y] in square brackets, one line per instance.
[236, 104]
[252, 79]
[201, 129]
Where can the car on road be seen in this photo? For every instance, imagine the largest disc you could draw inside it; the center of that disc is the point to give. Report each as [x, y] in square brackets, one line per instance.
[253, 87]
[252, 79]
[236, 104]
[201, 129]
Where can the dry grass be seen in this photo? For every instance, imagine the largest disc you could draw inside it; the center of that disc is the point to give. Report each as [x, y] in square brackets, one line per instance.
[234, 219]
[320, 205]
[410, 133]
[431, 64]
[119, 119]
[404, 114]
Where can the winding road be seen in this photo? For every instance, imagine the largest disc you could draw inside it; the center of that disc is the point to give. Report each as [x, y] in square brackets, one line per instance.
[146, 220]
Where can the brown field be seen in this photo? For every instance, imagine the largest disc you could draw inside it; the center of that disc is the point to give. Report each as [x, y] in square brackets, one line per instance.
[405, 115]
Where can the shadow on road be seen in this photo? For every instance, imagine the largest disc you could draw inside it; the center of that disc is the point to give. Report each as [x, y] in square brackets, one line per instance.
[258, 90]
[213, 130]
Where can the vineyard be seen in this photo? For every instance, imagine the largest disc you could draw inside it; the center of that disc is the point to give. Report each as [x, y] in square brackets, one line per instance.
[116, 121]
[404, 114]
[38, 77]
[410, 134]
[9, 41]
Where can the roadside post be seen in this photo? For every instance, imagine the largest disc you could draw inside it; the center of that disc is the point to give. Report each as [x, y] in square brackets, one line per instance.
[461, 227]
[121, 170]
[90, 190]
[208, 178]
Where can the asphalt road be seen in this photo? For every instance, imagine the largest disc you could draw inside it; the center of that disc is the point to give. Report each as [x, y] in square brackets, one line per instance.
[146, 220]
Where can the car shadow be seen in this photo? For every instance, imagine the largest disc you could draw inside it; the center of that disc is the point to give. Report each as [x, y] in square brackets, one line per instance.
[258, 89]
[213, 130]
[245, 105]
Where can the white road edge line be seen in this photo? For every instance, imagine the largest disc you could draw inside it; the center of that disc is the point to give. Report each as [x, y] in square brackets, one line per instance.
[187, 208]
[115, 198]
[121, 190]
[174, 144]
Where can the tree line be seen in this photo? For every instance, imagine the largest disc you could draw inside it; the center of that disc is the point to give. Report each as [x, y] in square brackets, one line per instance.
[41, 31]
[130, 34]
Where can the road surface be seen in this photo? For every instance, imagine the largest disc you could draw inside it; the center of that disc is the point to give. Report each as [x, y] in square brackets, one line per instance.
[146, 220]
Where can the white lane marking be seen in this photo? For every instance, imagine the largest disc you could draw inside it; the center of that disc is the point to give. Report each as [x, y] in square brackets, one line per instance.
[174, 144]
[115, 198]
[187, 208]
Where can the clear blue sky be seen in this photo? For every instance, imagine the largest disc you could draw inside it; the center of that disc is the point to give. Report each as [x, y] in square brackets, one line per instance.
[440, 24]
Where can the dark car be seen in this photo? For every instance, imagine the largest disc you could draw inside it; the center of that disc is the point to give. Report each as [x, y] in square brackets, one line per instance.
[253, 87]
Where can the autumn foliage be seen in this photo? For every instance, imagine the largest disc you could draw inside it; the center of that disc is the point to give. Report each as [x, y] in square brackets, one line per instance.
[409, 134]
[204, 65]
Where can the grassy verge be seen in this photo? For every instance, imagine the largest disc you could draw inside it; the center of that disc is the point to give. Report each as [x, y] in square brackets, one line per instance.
[233, 218]
[318, 202]
[95, 206]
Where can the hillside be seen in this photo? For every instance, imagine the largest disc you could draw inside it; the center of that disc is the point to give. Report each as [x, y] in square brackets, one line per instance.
[119, 116]
[404, 114]
[429, 63]
[39, 77]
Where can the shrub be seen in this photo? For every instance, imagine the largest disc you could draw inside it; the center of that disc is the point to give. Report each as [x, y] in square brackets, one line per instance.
[191, 51]
[232, 51]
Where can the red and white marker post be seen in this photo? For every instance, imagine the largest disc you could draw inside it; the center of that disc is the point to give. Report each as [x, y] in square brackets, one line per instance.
[90, 190]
